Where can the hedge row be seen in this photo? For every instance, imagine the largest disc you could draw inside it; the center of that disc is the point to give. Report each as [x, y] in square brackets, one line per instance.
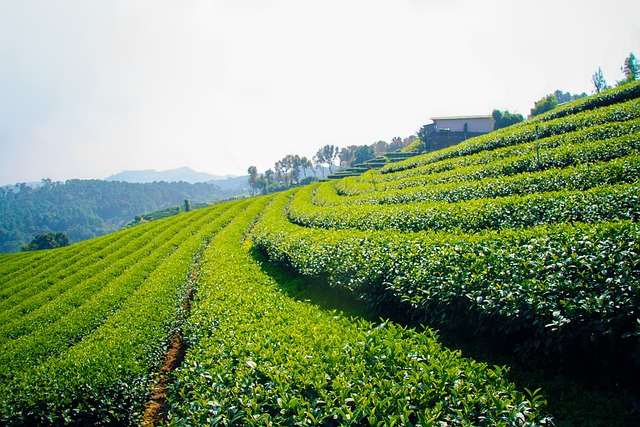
[525, 132]
[580, 136]
[258, 357]
[560, 157]
[93, 365]
[598, 204]
[579, 177]
[564, 285]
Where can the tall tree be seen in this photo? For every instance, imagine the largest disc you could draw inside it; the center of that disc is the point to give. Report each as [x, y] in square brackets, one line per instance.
[364, 153]
[326, 155]
[599, 83]
[630, 69]
[347, 155]
[305, 164]
[253, 179]
[280, 175]
[295, 169]
[423, 135]
[381, 147]
[287, 165]
[269, 175]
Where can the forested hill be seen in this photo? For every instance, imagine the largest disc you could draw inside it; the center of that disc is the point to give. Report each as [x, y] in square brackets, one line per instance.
[88, 208]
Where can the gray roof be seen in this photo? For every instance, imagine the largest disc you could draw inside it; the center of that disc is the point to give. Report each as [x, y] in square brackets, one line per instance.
[461, 117]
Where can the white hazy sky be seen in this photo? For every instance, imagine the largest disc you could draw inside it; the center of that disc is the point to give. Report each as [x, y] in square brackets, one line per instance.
[89, 88]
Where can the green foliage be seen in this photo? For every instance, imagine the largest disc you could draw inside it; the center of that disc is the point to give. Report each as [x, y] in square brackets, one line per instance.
[257, 357]
[505, 119]
[326, 155]
[50, 240]
[599, 83]
[601, 203]
[84, 209]
[630, 69]
[363, 154]
[80, 346]
[564, 97]
[547, 103]
[583, 116]
[535, 252]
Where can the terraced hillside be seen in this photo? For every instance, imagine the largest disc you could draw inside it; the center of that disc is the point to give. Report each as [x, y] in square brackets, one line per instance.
[525, 238]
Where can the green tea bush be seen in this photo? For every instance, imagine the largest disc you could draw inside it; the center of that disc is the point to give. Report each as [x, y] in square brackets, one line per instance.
[525, 132]
[556, 158]
[258, 357]
[562, 285]
[601, 203]
[93, 363]
[578, 177]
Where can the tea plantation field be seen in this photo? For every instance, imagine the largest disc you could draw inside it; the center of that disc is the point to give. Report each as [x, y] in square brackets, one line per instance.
[524, 242]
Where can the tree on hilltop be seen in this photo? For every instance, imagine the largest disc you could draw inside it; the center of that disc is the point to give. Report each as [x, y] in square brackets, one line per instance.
[253, 179]
[599, 83]
[364, 153]
[381, 147]
[326, 155]
[547, 103]
[423, 136]
[630, 69]
[563, 97]
[347, 155]
[505, 119]
[305, 164]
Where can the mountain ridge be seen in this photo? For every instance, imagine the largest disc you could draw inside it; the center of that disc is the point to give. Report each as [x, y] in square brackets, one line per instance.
[184, 173]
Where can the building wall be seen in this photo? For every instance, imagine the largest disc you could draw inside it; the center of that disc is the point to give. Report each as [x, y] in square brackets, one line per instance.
[456, 124]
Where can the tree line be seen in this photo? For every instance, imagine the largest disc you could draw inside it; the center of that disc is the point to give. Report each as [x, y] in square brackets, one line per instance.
[294, 169]
[83, 209]
[630, 70]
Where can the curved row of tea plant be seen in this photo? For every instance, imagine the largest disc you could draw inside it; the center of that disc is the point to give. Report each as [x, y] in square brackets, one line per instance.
[602, 203]
[525, 132]
[577, 137]
[612, 96]
[578, 177]
[555, 158]
[257, 357]
[561, 285]
[93, 365]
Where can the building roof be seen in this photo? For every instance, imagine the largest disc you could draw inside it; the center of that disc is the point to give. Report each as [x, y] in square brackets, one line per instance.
[461, 117]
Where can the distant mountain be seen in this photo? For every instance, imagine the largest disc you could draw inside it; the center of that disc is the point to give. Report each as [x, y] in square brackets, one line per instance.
[173, 175]
[237, 184]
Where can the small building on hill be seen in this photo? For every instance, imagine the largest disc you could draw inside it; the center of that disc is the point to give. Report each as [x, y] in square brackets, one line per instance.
[470, 124]
[452, 130]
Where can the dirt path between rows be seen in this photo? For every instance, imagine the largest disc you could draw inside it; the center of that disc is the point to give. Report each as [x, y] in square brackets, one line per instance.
[155, 408]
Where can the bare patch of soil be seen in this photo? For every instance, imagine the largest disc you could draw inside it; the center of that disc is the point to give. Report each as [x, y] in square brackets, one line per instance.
[155, 408]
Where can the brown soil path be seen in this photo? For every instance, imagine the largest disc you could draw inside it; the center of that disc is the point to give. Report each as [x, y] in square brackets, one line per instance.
[155, 408]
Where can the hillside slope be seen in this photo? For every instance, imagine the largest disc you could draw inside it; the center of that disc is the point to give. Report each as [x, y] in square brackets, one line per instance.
[526, 239]
[88, 208]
